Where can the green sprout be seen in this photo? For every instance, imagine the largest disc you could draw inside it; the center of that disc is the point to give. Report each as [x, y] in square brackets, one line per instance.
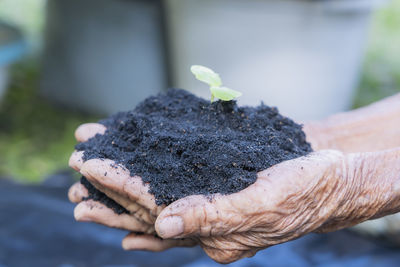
[211, 78]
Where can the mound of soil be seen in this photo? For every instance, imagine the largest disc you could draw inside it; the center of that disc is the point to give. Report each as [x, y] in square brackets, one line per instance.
[184, 145]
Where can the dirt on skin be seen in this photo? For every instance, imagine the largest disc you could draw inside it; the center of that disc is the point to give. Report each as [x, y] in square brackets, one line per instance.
[96, 195]
[183, 145]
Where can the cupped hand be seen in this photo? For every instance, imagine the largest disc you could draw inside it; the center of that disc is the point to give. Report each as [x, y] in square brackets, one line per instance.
[314, 193]
[324, 191]
[129, 192]
[286, 202]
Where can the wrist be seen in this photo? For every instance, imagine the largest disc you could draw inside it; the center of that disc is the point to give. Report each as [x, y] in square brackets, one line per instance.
[372, 128]
[371, 189]
[319, 135]
[379, 175]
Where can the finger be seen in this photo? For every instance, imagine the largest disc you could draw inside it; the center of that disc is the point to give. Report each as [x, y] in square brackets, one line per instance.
[93, 211]
[76, 160]
[109, 179]
[136, 210]
[202, 216]
[241, 211]
[135, 241]
[115, 178]
[77, 192]
[88, 130]
[82, 134]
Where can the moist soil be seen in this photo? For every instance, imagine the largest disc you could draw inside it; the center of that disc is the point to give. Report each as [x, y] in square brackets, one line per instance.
[96, 195]
[183, 145]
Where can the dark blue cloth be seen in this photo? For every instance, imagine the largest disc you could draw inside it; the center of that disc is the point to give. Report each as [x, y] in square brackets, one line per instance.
[37, 228]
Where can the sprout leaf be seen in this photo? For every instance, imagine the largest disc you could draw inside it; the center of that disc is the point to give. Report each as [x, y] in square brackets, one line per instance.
[206, 75]
[224, 93]
[211, 78]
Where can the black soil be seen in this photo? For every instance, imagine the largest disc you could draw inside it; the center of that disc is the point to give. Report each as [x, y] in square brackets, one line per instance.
[184, 145]
[97, 195]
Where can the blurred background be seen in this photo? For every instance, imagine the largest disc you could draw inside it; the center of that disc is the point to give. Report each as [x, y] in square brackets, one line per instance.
[63, 63]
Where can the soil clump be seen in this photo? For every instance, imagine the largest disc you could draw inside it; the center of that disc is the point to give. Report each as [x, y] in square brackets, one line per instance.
[183, 145]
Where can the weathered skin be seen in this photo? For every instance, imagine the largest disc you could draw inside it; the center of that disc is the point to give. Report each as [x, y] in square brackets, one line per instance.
[372, 128]
[126, 190]
[322, 192]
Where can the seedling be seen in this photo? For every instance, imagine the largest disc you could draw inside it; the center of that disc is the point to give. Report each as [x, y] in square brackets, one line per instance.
[211, 78]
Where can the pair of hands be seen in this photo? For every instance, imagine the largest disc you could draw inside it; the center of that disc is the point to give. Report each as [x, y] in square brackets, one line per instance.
[324, 191]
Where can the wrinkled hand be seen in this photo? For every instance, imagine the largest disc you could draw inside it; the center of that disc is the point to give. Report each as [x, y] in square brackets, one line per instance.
[321, 192]
[129, 192]
[287, 201]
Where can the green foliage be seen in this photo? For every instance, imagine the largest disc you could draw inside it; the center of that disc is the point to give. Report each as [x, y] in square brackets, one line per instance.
[27, 15]
[36, 138]
[211, 78]
[381, 70]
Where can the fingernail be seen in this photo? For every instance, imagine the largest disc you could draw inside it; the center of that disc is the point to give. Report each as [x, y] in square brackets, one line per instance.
[79, 215]
[125, 244]
[171, 227]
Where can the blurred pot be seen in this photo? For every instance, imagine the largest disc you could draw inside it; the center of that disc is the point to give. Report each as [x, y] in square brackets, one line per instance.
[103, 56]
[302, 56]
[12, 46]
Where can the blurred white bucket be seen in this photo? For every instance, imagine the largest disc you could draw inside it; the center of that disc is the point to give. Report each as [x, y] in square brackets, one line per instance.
[302, 56]
[103, 56]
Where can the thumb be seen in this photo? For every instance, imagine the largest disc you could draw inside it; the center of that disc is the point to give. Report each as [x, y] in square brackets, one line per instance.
[202, 216]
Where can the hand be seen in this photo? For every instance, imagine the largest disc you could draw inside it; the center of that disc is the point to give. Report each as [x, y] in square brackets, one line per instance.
[342, 191]
[129, 192]
[322, 192]
[372, 128]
